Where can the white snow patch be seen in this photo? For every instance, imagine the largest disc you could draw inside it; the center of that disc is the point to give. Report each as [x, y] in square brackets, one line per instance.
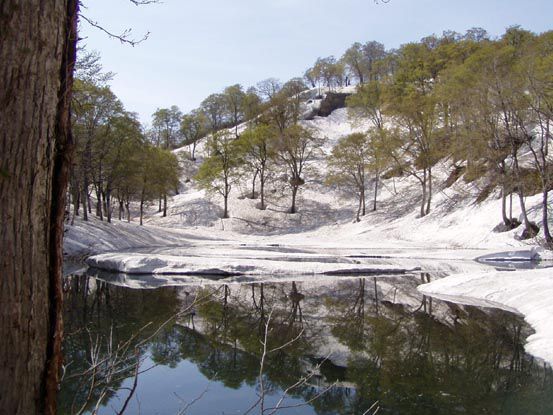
[134, 263]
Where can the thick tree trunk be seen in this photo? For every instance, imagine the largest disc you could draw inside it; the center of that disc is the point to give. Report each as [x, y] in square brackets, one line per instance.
[376, 179]
[108, 203]
[37, 54]
[294, 193]
[506, 220]
[85, 207]
[423, 201]
[545, 218]
[141, 210]
[76, 199]
[225, 212]
[253, 183]
[121, 209]
[511, 208]
[165, 205]
[262, 190]
[99, 211]
[359, 205]
[225, 196]
[89, 203]
[364, 207]
[127, 207]
[529, 226]
[429, 196]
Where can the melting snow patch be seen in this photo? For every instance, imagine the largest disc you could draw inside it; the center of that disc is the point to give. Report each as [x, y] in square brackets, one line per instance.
[136, 263]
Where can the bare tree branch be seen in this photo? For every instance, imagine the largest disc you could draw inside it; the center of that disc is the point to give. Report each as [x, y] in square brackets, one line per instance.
[123, 37]
[192, 402]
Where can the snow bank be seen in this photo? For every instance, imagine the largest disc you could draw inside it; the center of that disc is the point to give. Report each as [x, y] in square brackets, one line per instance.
[94, 236]
[529, 293]
[510, 256]
[135, 263]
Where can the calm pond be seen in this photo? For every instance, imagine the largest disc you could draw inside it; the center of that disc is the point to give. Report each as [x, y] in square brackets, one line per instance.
[345, 343]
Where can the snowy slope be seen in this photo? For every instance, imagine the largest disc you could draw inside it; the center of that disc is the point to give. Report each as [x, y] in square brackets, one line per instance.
[325, 214]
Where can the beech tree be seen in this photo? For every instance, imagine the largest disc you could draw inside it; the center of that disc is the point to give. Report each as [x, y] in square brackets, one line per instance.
[537, 70]
[296, 146]
[95, 107]
[214, 109]
[283, 109]
[478, 136]
[126, 163]
[268, 88]
[373, 53]
[492, 94]
[354, 158]
[166, 127]
[353, 58]
[252, 104]
[328, 72]
[347, 166]
[311, 77]
[218, 171]
[367, 103]
[125, 142]
[194, 126]
[159, 173]
[37, 57]
[257, 146]
[234, 104]
[411, 100]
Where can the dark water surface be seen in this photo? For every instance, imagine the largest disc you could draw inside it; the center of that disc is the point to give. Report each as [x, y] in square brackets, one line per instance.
[353, 341]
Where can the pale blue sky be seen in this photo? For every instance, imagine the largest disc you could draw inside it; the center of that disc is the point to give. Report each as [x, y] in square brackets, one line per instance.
[199, 47]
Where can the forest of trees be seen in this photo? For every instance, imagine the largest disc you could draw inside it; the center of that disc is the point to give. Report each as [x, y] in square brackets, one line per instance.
[476, 101]
[114, 161]
[481, 103]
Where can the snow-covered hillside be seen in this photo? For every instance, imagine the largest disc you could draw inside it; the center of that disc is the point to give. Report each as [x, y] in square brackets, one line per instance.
[326, 214]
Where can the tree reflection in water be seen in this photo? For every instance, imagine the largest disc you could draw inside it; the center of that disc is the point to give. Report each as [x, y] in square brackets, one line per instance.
[387, 343]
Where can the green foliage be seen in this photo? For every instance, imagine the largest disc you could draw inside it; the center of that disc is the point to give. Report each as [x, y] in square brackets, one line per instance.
[113, 157]
[194, 126]
[257, 145]
[234, 97]
[160, 172]
[214, 108]
[296, 147]
[219, 170]
[328, 72]
[367, 102]
[348, 161]
[166, 129]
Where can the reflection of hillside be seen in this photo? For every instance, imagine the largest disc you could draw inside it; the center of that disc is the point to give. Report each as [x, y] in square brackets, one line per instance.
[386, 343]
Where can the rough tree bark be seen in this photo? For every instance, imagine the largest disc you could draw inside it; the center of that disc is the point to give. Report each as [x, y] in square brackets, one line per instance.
[37, 55]
[294, 194]
[376, 179]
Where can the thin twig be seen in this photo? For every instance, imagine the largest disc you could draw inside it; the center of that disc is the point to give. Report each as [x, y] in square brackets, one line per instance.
[192, 402]
[123, 37]
[373, 406]
[134, 385]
